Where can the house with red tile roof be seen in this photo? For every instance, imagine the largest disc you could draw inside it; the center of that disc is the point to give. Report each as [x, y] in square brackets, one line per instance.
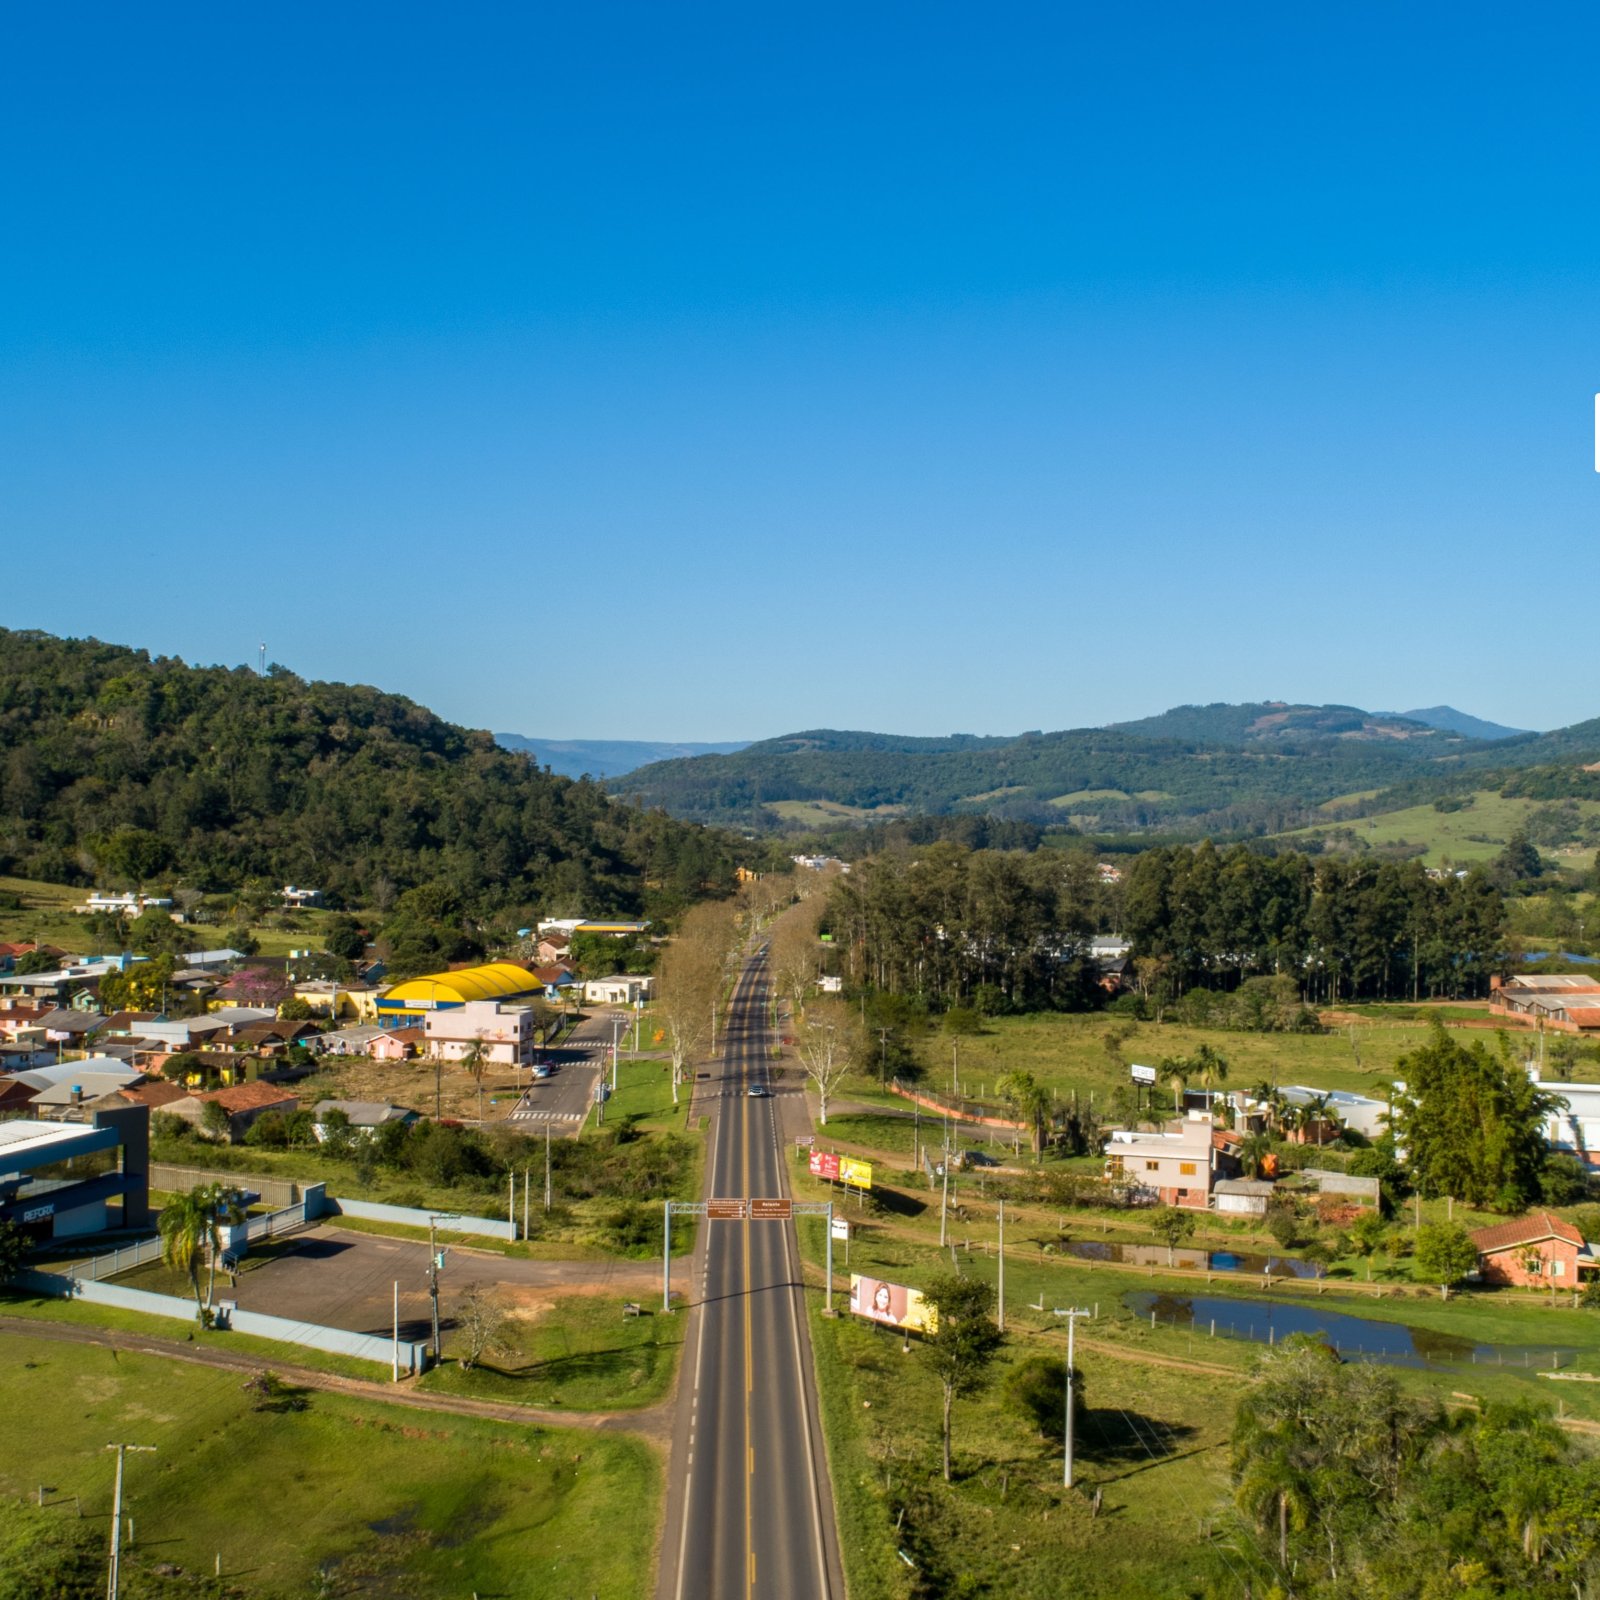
[243, 1102]
[1537, 1251]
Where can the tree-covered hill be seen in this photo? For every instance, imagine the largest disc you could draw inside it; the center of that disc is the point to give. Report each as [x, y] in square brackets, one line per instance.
[1251, 768]
[121, 769]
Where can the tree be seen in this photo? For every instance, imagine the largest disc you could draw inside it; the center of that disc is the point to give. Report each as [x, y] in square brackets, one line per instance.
[191, 1225]
[689, 983]
[475, 1058]
[963, 1344]
[827, 1046]
[13, 1250]
[1032, 1102]
[1254, 1149]
[1366, 1237]
[480, 1318]
[1172, 1226]
[215, 1122]
[181, 1067]
[1472, 1124]
[342, 937]
[1037, 1390]
[1209, 1067]
[294, 1009]
[1175, 1071]
[1445, 1254]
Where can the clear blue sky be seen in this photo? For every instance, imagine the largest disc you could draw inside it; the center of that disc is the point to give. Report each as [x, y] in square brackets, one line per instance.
[697, 371]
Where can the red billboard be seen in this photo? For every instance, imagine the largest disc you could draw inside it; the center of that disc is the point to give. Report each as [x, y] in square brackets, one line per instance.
[824, 1165]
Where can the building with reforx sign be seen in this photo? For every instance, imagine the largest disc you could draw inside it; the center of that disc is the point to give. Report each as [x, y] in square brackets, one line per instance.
[59, 1180]
[408, 1003]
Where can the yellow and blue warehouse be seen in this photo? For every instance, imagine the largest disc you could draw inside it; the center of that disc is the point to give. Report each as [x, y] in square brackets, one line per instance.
[444, 991]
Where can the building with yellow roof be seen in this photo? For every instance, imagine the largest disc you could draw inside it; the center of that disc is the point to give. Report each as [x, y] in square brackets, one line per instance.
[445, 991]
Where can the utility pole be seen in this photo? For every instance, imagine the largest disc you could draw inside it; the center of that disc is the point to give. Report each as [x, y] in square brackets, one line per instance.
[547, 1164]
[616, 1029]
[435, 1260]
[114, 1572]
[1072, 1323]
[1000, 1299]
[395, 1358]
[526, 1175]
[944, 1198]
[713, 1027]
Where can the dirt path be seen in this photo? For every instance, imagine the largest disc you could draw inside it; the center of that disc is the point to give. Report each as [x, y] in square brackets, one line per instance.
[653, 1424]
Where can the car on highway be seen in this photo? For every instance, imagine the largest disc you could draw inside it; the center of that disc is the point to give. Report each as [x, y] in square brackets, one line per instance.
[541, 1072]
[756, 1090]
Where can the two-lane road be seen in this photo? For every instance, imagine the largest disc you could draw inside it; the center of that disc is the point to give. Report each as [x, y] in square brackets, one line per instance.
[749, 1509]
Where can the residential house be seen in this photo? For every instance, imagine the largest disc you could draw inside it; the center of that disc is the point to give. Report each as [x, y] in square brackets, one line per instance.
[398, 1044]
[16, 1098]
[554, 981]
[271, 1037]
[1534, 1251]
[72, 1029]
[329, 998]
[123, 905]
[1573, 1127]
[1344, 1110]
[352, 1041]
[1176, 1166]
[553, 948]
[244, 1104]
[300, 899]
[506, 1032]
[364, 1117]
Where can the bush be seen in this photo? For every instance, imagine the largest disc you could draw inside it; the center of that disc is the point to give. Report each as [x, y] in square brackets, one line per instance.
[1563, 1180]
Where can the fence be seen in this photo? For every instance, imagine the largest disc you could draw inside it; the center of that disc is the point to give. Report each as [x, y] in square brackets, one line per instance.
[123, 1259]
[949, 1105]
[310, 1335]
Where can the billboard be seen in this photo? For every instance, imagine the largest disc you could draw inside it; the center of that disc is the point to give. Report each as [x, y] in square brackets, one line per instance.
[1142, 1074]
[892, 1304]
[840, 1169]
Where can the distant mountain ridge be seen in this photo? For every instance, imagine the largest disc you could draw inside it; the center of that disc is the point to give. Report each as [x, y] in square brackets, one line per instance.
[1450, 720]
[606, 758]
[1214, 768]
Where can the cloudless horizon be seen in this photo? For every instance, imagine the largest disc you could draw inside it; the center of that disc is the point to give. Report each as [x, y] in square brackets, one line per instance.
[704, 373]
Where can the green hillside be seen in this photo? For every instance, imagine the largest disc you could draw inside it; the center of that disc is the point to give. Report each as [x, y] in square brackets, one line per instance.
[120, 769]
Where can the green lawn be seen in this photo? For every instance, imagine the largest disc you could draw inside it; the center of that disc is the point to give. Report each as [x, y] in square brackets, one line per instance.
[580, 1352]
[342, 1497]
[1475, 834]
[1068, 1052]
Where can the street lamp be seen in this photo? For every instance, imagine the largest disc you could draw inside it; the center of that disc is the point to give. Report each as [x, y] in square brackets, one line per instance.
[1072, 1323]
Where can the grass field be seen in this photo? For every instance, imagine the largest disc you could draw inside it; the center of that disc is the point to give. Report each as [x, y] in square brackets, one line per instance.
[579, 1351]
[826, 813]
[1068, 1052]
[1475, 834]
[341, 1497]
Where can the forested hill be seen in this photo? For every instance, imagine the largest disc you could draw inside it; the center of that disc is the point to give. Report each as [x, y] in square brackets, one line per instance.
[1215, 768]
[120, 769]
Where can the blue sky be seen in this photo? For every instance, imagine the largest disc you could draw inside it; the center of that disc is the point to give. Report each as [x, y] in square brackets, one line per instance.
[715, 371]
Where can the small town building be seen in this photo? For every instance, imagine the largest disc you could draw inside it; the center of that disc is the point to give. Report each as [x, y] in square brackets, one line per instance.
[244, 1103]
[1573, 1127]
[398, 1044]
[1563, 1002]
[352, 1041]
[1242, 1197]
[622, 990]
[60, 1180]
[411, 1001]
[1534, 1251]
[364, 1117]
[1176, 1166]
[506, 1032]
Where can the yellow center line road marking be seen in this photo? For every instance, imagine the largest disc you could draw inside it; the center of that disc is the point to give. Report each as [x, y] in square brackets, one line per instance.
[749, 1362]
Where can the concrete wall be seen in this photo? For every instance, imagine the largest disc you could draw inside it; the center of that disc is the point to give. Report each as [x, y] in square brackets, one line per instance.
[174, 1180]
[311, 1335]
[406, 1216]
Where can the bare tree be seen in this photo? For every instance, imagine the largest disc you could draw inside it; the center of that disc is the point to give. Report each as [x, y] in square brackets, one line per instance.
[689, 982]
[827, 1043]
[480, 1323]
[797, 949]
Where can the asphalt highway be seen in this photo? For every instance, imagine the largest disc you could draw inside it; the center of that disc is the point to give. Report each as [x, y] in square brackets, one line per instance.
[749, 1509]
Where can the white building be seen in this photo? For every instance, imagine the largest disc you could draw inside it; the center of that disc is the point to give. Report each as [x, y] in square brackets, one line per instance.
[129, 904]
[505, 1031]
[1177, 1164]
[1574, 1126]
[625, 989]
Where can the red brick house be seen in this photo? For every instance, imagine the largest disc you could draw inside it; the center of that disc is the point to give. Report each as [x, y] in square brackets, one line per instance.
[1534, 1251]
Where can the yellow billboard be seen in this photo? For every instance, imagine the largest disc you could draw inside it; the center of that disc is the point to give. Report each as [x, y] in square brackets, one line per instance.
[856, 1173]
[892, 1304]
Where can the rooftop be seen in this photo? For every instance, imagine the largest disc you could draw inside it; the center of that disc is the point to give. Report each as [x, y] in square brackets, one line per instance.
[1526, 1230]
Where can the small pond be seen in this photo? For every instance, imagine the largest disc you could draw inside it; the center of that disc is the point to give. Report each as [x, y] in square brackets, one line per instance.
[1157, 1255]
[1356, 1338]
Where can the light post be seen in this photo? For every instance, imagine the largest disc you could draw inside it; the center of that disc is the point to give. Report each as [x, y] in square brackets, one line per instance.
[616, 1029]
[114, 1574]
[435, 1261]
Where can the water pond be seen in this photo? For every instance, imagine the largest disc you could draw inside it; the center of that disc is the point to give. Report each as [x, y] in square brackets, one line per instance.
[1397, 1344]
[1157, 1255]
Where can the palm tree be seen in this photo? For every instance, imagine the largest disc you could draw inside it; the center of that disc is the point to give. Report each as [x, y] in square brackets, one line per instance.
[1271, 1489]
[1254, 1149]
[1176, 1071]
[1032, 1101]
[1318, 1111]
[192, 1224]
[475, 1058]
[1210, 1067]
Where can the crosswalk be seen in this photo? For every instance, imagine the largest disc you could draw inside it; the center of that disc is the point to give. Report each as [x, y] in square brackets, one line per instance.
[529, 1114]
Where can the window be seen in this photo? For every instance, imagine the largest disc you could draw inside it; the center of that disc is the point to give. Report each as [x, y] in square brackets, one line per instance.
[1186, 1168]
[1152, 1166]
[1558, 1269]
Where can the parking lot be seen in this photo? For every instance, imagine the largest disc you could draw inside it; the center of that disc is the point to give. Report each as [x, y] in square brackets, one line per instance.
[342, 1279]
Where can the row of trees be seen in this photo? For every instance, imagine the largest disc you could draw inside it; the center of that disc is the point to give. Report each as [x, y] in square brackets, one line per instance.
[998, 931]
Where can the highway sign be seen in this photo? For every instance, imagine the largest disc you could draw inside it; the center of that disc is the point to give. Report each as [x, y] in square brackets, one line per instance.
[725, 1210]
[841, 1228]
[769, 1211]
